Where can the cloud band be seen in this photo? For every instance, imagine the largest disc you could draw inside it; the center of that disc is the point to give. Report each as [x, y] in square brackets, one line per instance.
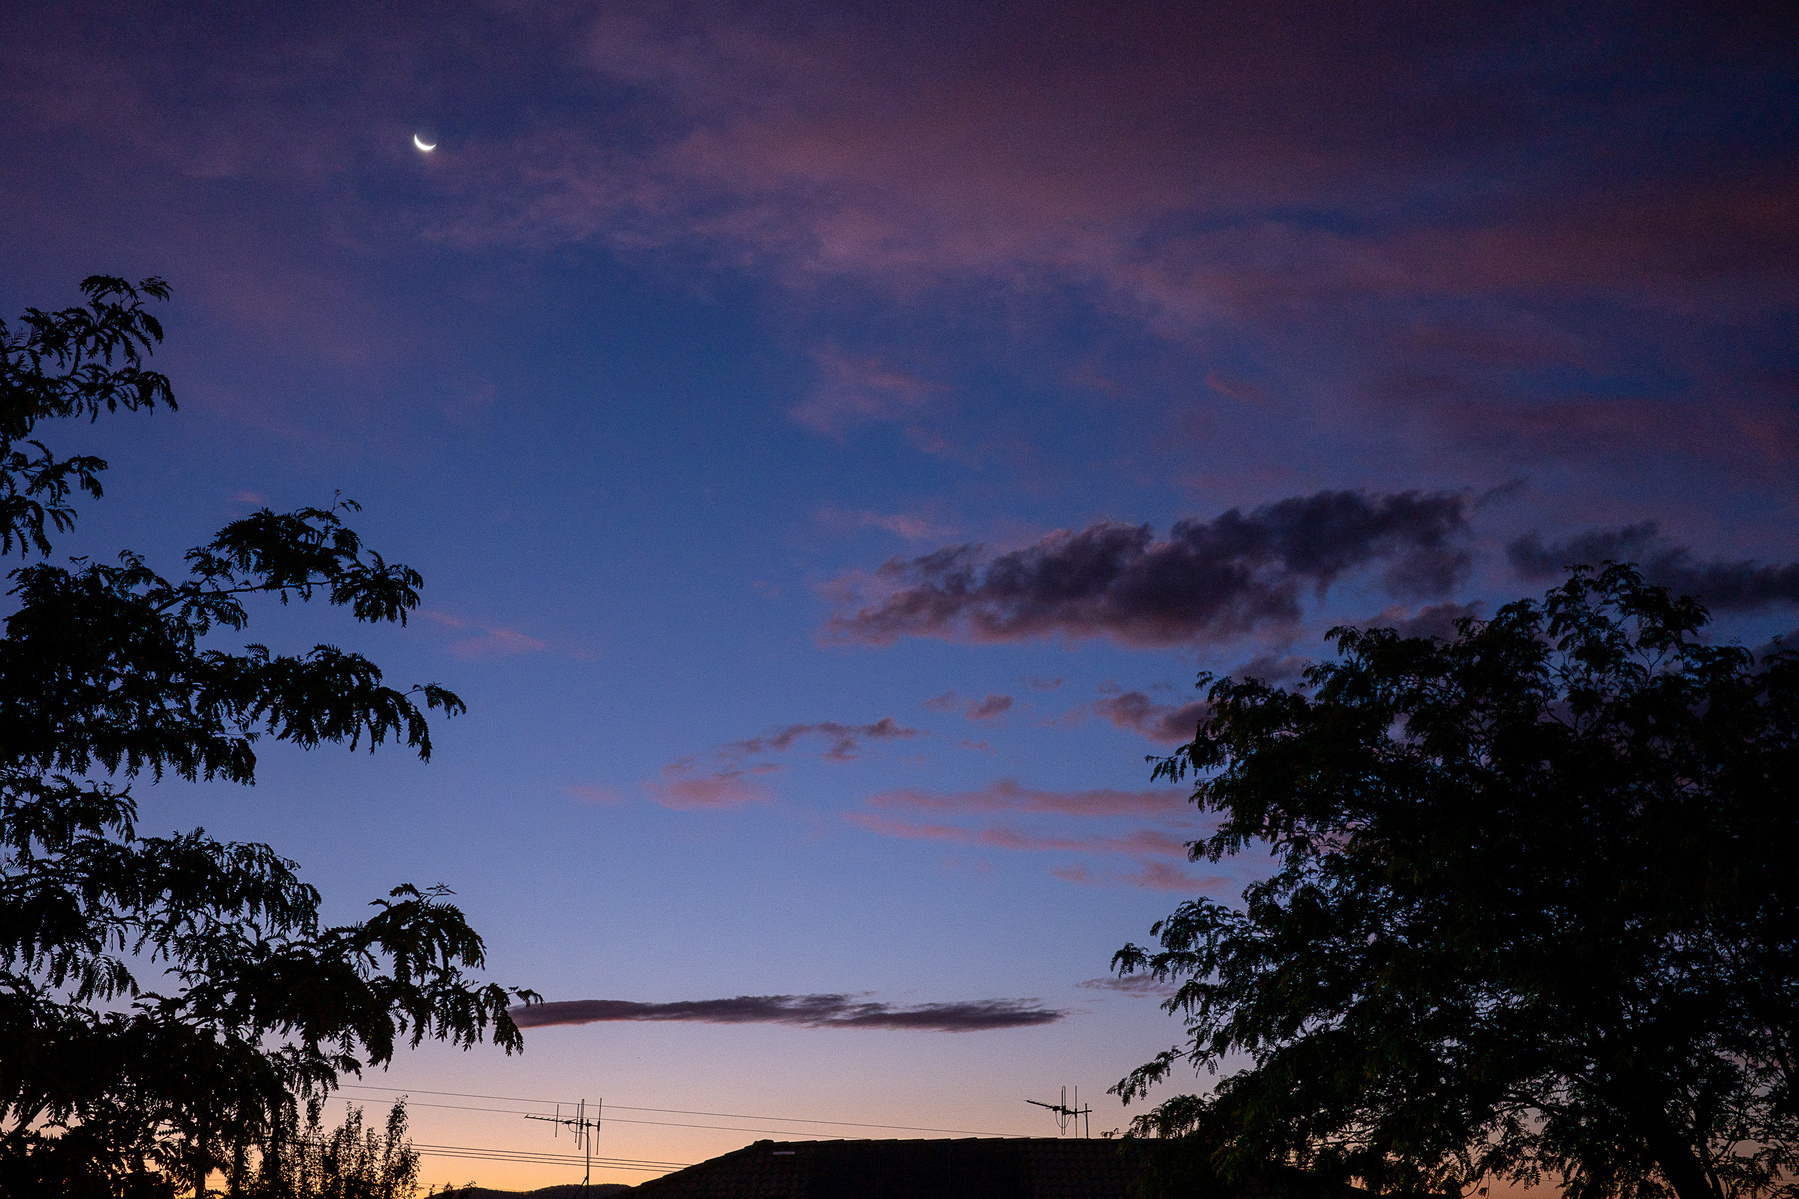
[1208, 581]
[806, 1011]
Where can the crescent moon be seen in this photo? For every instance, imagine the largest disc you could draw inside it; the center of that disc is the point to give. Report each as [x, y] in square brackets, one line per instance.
[420, 143]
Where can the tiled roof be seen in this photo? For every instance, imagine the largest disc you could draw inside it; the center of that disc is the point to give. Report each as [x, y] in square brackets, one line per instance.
[979, 1168]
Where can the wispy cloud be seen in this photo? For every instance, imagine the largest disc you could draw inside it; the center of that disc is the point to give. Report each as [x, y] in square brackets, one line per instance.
[1356, 213]
[1055, 822]
[1130, 984]
[990, 707]
[722, 790]
[481, 640]
[909, 526]
[1208, 581]
[1151, 876]
[1138, 843]
[1432, 620]
[806, 1011]
[844, 740]
[854, 391]
[1165, 724]
[1741, 586]
[1007, 795]
[727, 777]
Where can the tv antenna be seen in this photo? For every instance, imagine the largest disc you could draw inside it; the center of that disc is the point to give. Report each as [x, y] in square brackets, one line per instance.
[1066, 1115]
[584, 1127]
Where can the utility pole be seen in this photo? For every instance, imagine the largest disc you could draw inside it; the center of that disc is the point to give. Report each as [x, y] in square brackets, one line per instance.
[1066, 1115]
[584, 1127]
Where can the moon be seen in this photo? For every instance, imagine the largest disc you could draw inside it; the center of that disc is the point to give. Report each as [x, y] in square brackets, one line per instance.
[420, 142]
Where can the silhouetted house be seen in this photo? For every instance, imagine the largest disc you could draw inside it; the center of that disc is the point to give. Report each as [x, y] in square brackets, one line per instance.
[978, 1168]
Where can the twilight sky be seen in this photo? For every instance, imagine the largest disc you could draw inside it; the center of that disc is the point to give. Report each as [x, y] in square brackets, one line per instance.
[835, 436]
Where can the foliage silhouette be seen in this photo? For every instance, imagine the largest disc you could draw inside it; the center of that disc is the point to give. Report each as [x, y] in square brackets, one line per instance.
[163, 999]
[304, 1161]
[1532, 916]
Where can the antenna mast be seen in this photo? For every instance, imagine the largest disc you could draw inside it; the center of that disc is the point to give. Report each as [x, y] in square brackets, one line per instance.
[584, 1127]
[1066, 1115]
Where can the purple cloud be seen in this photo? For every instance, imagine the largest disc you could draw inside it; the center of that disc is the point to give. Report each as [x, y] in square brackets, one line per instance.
[1165, 724]
[1432, 620]
[1741, 586]
[845, 739]
[1146, 842]
[1006, 795]
[1208, 581]
[726, 789]
[991, 708]
[1130, 984]
[806, 1011]
[1151, 876]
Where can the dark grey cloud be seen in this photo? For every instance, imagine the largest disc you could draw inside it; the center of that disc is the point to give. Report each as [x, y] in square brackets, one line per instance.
[1724, 586]
[1208, 581]
[1166, 724]
[1006, 795]
[991, 708]
[807, 1011]
[1432, 620]
[1787, 641]
[845, 739]
[1131, 984]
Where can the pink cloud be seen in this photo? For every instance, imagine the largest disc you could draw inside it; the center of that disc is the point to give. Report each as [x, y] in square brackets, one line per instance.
[1007, 795]
[906, 525]
[1141, 842]
[1130, 984]
[991, 707]
[855, 391]
[727, 777]
[485, 641]
[1165, 724]
[714, 791]
[1031, 152]
[494, 642]
[1153, 876]
[1062, 143]
[845, 739]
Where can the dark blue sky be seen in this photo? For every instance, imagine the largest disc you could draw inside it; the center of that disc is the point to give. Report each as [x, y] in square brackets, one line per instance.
[773, 396]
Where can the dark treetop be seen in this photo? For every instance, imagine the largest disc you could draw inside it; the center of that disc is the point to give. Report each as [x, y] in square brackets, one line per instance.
[1533, 913]
[162, 999]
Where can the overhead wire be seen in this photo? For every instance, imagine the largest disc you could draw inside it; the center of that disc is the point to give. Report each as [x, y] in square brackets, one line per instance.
[528, 1157]
[674, 1111]
[533, 1157]
[509, 1111]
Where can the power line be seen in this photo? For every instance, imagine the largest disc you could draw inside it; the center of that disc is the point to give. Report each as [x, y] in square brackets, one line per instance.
[531, 1157]
[675, 1111]
[509, 1111]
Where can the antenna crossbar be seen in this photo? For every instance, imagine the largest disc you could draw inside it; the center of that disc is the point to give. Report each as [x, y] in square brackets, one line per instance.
[584, 1128]
[1080, 1117]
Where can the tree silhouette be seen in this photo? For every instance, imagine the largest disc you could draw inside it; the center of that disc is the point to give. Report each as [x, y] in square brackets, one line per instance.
[1532, 916]
[298, 1160]
[163, 999]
